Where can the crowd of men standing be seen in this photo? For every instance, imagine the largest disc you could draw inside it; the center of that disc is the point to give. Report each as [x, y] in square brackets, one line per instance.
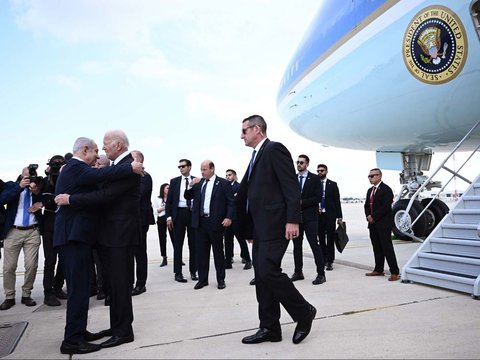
[106, 211]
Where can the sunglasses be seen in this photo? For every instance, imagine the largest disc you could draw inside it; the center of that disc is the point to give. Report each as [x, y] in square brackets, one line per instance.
[300, 162]
[320, 170]
[373, 175]
[182, 166]
[244, 130]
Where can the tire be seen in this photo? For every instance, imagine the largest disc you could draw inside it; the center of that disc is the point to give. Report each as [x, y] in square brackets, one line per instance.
[419, 228]
[435, 213]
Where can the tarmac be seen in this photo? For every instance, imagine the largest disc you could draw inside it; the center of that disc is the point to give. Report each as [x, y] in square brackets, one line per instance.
[357, 316]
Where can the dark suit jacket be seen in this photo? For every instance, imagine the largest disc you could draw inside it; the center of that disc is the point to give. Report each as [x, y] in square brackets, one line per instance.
[121, 224]
[333, 208]
[221, 203]
[171, 207]
[11, 196]
[273, 195]
[79, 223]
[146, 210]
[382, 205]
[311, 196]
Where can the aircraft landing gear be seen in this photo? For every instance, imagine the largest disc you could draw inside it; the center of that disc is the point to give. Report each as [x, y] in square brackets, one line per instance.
[403, 224]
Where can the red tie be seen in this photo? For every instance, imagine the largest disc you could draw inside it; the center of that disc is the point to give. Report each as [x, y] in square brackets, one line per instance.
[372, 196]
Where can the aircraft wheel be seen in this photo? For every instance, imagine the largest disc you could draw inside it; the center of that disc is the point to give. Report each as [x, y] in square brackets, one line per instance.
[419, 228]
[435, 213]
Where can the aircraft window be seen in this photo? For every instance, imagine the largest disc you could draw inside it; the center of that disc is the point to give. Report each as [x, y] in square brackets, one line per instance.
[476, 16]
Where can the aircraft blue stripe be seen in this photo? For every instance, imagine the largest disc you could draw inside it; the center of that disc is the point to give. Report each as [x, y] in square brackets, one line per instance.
[335, 18]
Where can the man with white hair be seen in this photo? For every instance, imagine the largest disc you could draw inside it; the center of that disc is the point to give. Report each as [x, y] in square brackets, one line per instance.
[75, 231]
[119, 233]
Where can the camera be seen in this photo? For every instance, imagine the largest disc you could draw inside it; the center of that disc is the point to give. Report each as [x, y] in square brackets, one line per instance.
[54, 165]
[32, 172]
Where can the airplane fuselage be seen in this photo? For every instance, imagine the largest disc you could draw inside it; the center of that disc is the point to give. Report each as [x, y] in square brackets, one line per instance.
[386, 75]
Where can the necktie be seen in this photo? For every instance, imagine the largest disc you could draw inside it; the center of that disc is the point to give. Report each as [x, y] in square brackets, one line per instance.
[372, 196]
[250, 166]
[26, 205]
[202, 197]
[300, 181]
[189, 201]
[322, 204]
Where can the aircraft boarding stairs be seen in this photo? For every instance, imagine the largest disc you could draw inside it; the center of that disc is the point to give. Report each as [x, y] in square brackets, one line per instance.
[450, 256]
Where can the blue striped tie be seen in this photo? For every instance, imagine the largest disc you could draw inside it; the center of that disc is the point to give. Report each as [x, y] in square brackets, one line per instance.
[26, 205]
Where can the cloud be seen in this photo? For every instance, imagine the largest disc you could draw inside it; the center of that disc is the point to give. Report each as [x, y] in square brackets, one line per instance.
[66, 81]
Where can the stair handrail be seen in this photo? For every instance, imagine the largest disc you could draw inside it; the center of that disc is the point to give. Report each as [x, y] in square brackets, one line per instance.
[426, 182]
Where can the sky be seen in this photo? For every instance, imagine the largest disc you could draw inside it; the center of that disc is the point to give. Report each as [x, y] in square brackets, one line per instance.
[177, 76]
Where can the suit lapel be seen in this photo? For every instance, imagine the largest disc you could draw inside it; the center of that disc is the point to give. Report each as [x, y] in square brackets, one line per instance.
[259, 155]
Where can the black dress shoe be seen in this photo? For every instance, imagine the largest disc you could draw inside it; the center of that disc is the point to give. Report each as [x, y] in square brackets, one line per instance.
[244, 261]
[180, 278]
[252, 282]
[7, 304]
[304, 326]
[221, 285]
[51, 300]
[95, 336]
[194, 276]
[200, 285]
[248, 265]
[329, 266]
[28, 301]
[138, 290]
[164, 262]
[59, 293]
[117, 340]
[93, 292]
[107, 300]
[297, 276]
[228, 265]
[262, 335]
[320, 279]
[81, 347]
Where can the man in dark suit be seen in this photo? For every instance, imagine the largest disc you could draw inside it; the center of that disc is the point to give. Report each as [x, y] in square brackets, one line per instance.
[73, 236]
[212, 212]
[378, 210]
[146, 213]
[268, 210]
[311, 194]
[232, 231]
[178, 211]
[119, 234]
[330, 213]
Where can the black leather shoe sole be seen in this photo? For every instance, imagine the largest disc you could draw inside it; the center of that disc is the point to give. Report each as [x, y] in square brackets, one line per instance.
[296, 277]
[180, 279]
[263, 335]
[96, 336]
[117, 340]
[200, 285]
[319, 280]
[27, 301]
[80, 348]
[138, 290]
[303, 327]
[7, 304]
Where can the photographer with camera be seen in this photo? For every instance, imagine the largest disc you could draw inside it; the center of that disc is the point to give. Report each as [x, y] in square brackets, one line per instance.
[21, 231]
[52, 282]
